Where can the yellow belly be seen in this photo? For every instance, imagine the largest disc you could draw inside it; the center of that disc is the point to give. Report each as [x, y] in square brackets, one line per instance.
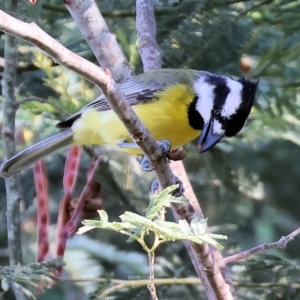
[165, 118]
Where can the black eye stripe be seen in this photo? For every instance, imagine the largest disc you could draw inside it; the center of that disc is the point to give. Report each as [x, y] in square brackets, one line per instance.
[221, 93]
[221, 89]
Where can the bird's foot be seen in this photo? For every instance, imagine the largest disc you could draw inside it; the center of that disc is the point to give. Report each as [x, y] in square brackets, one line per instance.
[146, 165]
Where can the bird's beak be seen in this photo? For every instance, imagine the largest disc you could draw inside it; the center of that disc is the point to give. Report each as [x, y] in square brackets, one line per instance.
[207, 138]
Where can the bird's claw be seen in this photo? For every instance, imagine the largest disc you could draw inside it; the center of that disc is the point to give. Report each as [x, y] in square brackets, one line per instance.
[146, 165]
[165, 146]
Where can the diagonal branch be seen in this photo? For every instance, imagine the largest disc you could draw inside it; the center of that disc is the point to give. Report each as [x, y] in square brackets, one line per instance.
[281, 243]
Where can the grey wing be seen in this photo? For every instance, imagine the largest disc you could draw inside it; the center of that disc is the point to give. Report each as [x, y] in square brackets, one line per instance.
[135, 93]
[140, 89]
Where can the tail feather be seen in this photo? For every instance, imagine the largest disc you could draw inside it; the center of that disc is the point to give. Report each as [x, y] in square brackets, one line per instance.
[36, 152]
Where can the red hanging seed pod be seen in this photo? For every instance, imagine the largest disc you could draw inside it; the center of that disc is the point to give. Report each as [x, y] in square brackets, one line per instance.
[71, 169]
[70, 226]
[86, 192]
[91, 204]
[41, 187]
[69, 182]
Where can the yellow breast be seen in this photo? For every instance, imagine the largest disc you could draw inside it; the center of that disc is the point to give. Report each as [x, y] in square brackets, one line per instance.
[166, 117]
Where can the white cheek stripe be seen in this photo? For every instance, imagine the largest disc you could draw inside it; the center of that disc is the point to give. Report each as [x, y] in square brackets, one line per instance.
[217, 128]
[206, 96]
[234, 98]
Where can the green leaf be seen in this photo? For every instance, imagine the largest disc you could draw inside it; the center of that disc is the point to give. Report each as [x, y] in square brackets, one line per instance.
[159, 201]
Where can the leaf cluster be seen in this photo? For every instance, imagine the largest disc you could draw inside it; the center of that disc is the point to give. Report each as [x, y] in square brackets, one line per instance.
[282, 274]
[136, 226]
[31, 279]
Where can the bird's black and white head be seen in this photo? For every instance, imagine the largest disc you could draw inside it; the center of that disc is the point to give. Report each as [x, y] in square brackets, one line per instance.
[224, 104]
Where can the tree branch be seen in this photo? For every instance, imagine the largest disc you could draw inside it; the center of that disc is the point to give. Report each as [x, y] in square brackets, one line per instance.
[93, 28]
[8, 138]
[9, 104]
[281, 243]
[146, 32]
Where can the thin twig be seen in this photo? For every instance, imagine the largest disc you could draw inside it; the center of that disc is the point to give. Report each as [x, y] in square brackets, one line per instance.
[123, 284]
[281, 243]
[151, 285]
[135, 283]
[264, 285]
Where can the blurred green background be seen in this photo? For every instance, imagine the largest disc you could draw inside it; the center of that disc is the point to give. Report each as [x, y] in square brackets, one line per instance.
[247, 186]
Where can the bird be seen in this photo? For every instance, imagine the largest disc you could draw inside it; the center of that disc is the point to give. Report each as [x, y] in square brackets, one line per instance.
[177, 105]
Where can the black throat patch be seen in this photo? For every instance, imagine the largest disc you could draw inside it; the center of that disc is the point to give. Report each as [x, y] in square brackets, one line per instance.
[195, 119]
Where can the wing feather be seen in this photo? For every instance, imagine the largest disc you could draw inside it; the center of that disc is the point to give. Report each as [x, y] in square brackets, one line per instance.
[139, 90]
